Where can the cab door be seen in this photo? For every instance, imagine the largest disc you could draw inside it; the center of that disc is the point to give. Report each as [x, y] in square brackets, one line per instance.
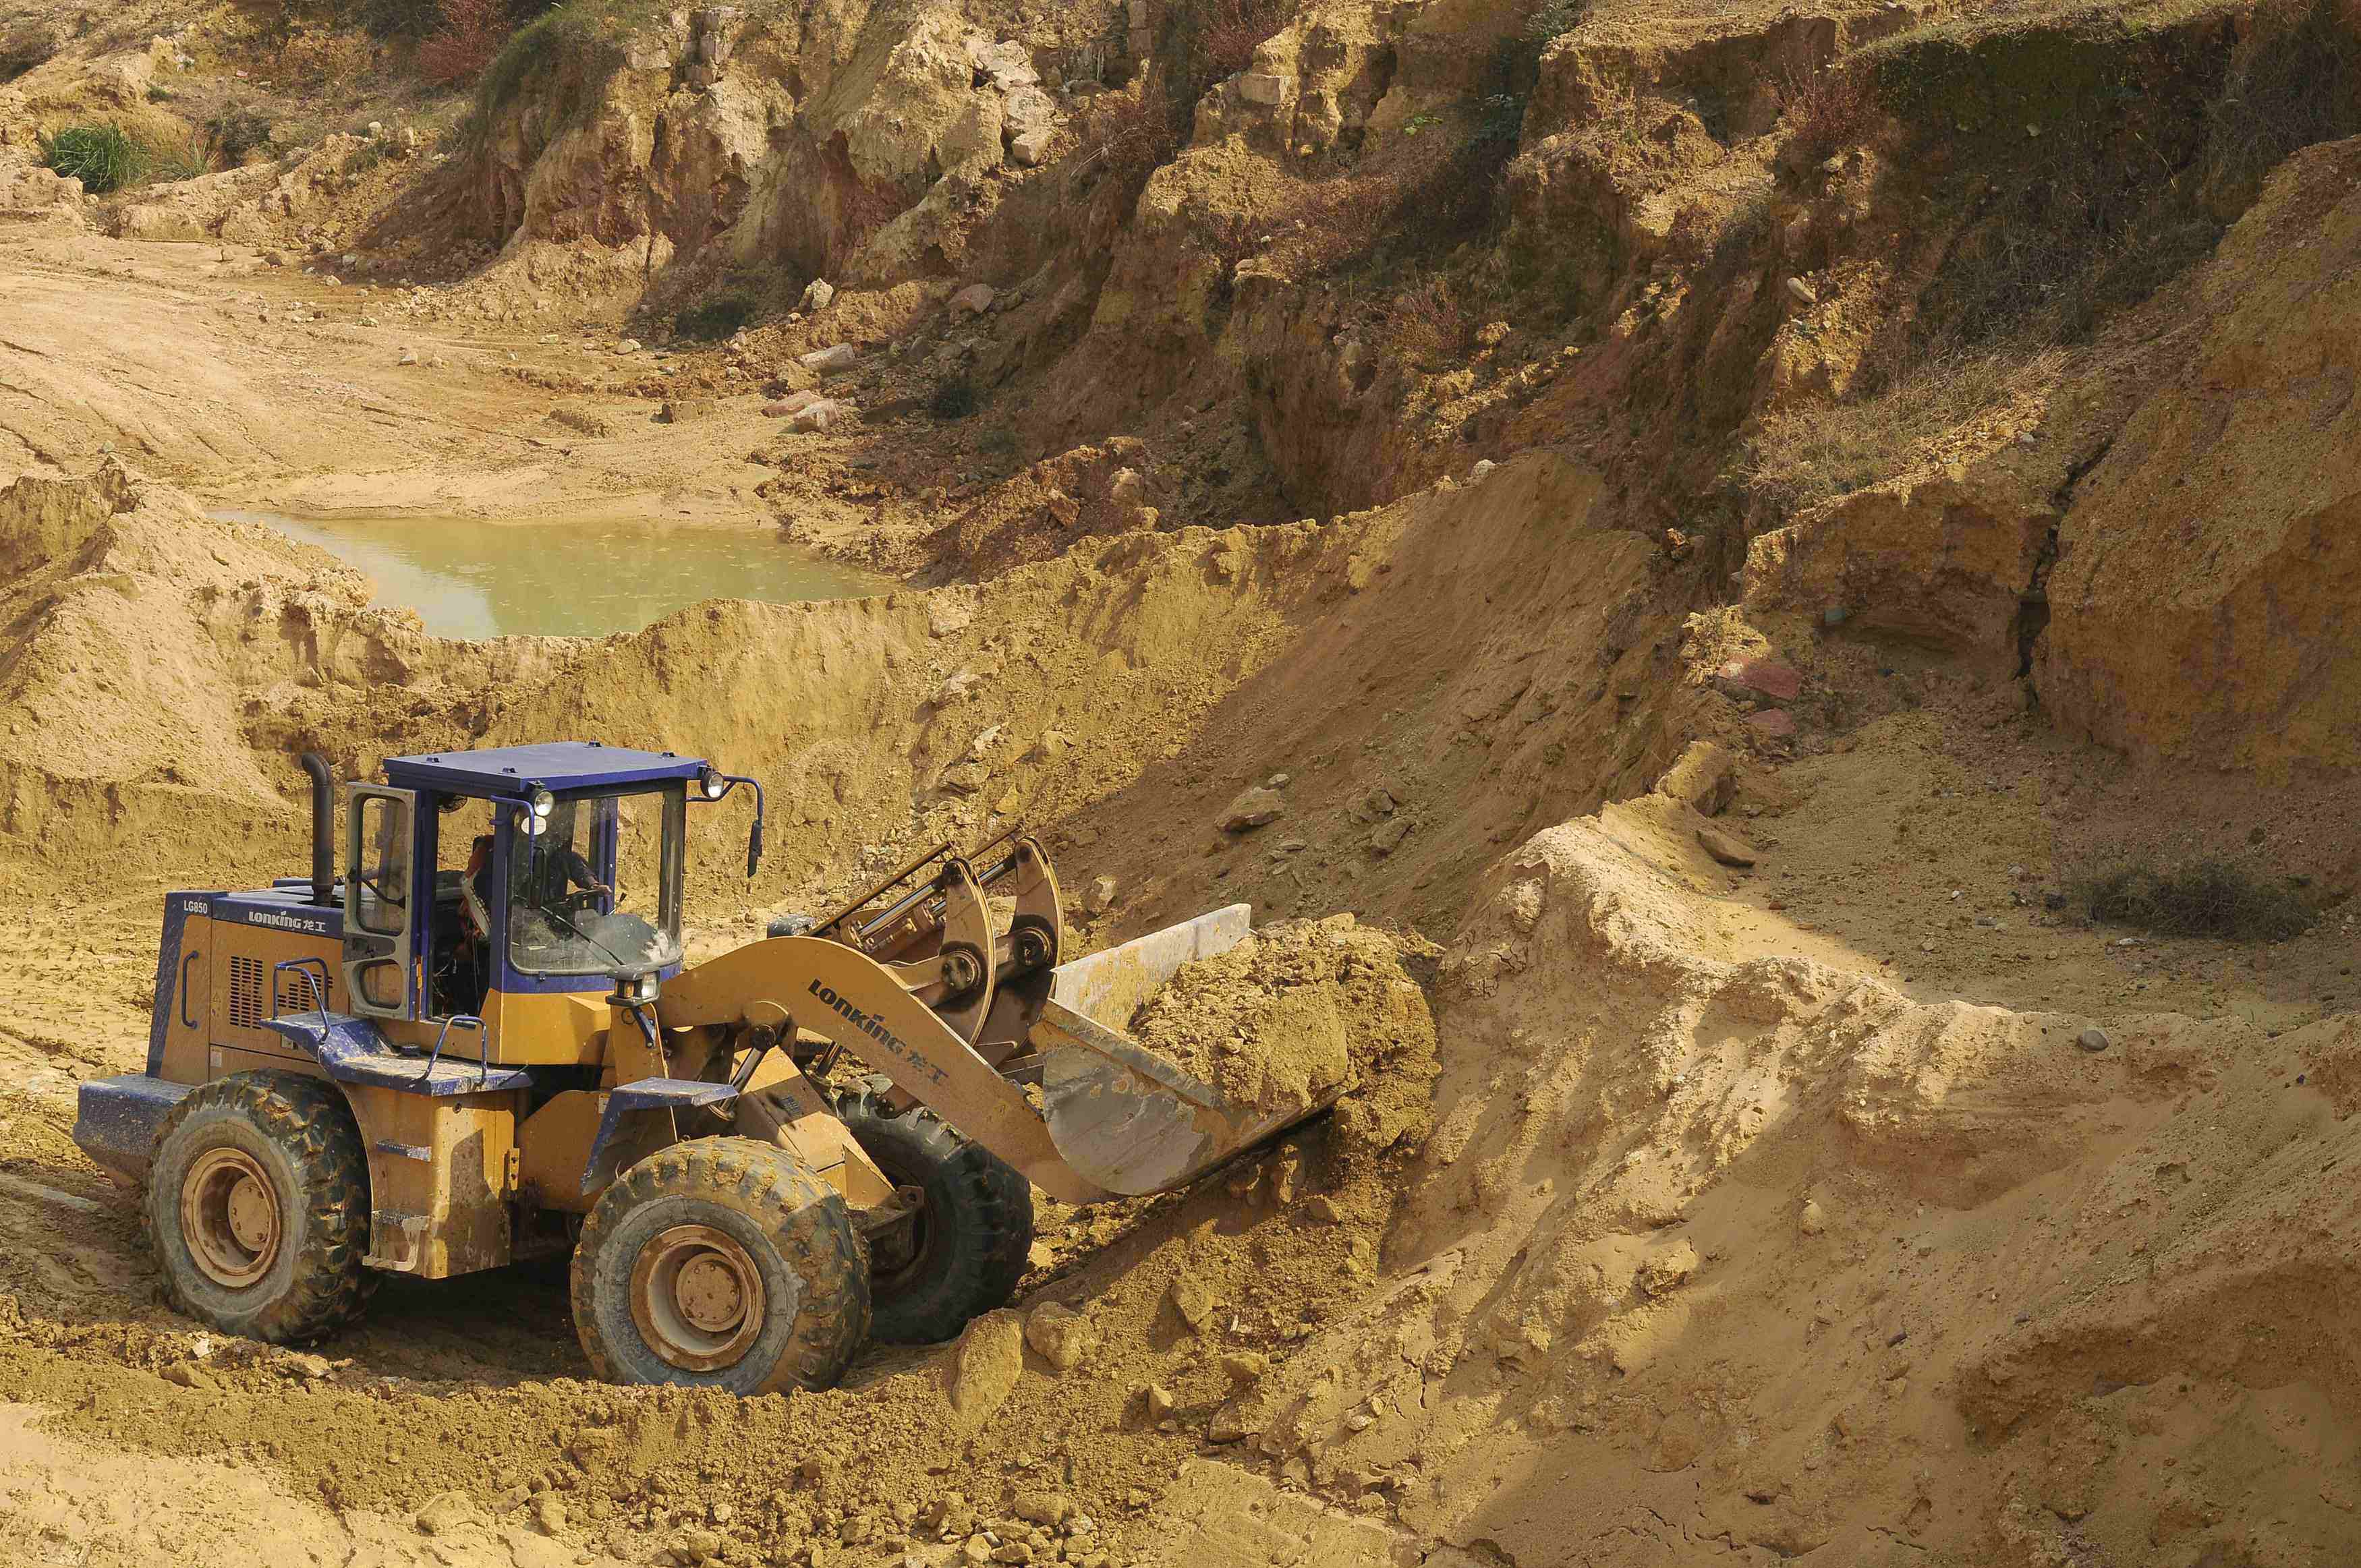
[381, 897]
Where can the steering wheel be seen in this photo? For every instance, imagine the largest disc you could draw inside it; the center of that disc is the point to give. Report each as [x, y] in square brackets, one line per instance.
[582, 901]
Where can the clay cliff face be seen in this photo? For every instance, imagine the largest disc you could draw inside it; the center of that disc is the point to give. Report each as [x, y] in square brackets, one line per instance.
[2203, 603]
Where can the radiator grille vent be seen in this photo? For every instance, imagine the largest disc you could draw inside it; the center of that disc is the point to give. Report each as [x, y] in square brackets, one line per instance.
[246, 1008]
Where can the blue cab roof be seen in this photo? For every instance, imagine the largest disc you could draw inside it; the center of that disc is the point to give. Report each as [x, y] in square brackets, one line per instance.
[552, 765]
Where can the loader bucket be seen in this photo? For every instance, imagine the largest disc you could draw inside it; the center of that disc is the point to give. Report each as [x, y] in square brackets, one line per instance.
[1121, 1115]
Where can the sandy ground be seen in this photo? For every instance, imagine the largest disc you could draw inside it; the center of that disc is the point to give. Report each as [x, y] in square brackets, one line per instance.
[253, 384]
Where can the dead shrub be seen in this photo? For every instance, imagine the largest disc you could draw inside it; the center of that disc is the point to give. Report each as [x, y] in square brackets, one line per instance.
[1805, 454]
[471, 36]
[1827, 108]
[1427, 325]
[2200, 898]
[1224, 34]
[1123, 137]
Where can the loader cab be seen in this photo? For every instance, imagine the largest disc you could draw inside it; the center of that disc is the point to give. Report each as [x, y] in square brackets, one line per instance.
[519, 887]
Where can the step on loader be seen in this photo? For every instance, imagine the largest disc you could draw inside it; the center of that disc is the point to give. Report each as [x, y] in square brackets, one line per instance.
[481, 1043]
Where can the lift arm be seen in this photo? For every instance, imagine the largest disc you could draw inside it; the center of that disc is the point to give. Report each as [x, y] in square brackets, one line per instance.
[850, 998]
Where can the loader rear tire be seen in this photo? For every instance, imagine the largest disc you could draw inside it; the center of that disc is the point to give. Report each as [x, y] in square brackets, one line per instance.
[721, 1263]
[257, 1207]
[961, 1255]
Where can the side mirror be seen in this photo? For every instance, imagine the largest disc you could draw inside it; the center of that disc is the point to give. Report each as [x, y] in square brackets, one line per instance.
[713, 784]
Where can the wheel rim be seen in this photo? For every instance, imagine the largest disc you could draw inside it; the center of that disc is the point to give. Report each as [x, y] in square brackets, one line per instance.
[230, 1216]
[697, 1297]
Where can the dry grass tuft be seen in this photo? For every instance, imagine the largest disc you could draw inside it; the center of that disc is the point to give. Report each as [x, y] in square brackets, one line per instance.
[1808, 453]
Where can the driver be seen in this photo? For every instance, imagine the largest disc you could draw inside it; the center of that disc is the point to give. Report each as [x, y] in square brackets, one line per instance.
[547, 881]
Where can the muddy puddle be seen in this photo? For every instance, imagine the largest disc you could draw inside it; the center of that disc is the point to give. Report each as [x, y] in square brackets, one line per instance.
[469, 578]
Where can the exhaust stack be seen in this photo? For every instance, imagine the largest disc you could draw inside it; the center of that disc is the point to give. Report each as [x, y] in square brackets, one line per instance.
[324, 829]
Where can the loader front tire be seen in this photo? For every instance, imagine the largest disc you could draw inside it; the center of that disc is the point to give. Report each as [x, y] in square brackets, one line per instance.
[963, 1252]
[721, 1263]
[257, 1207]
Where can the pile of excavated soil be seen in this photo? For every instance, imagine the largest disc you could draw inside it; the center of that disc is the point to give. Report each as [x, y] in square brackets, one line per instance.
[1298, 1010]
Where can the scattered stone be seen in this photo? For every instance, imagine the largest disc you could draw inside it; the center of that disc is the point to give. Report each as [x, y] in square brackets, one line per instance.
[1482, 467]
[2093, 1039]
[975, 299]
[793, 404]
[445, 1512]
[1030, 149]
[683, 411]
[409, 356]
[1772, 724]
[1389, 836]
[1813, 1220]
[1193, 1299]
[1059, 1336]
[629, 345]
[1803, 292]
[819, 294]
[1157, 1400]
[549, 1514]
[1323, 1209]
[818, 418]
[1246, 1367]
[1101, 897]
[1760, 677]
[1253, 809]
[1726, 848]
[1230, 1424]
[1051, 1509]
[835, 357]
[368, 321]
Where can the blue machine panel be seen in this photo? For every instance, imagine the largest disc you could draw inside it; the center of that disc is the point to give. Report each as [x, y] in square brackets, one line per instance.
[116, 1119]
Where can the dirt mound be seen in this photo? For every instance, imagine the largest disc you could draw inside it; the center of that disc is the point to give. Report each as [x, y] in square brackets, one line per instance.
[1708, 1232]
[1297, 1010]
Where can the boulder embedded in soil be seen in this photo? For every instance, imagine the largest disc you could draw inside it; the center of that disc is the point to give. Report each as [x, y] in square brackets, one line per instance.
[1059, 1336]
[983, 1367]
[1253, 808]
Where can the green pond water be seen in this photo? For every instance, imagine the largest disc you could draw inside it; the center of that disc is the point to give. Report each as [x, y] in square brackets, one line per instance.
[469, 578]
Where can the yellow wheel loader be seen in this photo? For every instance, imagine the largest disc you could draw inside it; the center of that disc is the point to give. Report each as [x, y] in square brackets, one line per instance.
[480, 1044]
